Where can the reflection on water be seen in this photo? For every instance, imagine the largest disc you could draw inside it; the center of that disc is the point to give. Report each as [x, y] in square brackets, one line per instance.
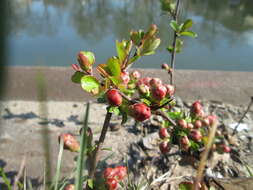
[51, 32]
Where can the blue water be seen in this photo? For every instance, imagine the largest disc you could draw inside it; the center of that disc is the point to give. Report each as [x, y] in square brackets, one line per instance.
[51, 32]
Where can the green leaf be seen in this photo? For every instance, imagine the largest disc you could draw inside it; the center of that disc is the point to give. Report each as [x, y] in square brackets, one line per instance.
[175, 115]
[184, 186]
[76, 77]
[186, 25]
[189, 33]
[113, 109]
[102, 98]
[90, 183]
[174, 25]
[136, 36]
[120, 47]
[146, 101]
[170, 49]
[90, 84]
[116, 80]
[81, 160]
[149, 46]
[108, 149]
[134, 58]
[114, 66]
[179, 45]
[195, 146]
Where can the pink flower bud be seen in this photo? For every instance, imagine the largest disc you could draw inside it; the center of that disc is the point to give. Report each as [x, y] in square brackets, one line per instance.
[136, 75]
[158, 92]
[170, 89]
[70, 142]
[145, 81]
[190, 126]
[165, 66]
[196, 135]
[182, 123]
[197, 124]
[163, 133]
[155, 82]
[125, 77]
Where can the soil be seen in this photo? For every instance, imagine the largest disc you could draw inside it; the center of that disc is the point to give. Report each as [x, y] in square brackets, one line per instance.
[27, 127]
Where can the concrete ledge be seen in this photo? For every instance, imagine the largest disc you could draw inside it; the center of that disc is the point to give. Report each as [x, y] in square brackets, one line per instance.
[230, 87]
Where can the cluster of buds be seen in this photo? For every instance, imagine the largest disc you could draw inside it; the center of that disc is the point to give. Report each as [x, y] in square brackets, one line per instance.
[154, 87]
[114, 175]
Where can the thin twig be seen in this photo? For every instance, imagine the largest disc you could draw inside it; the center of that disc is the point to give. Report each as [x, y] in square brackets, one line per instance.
[164, 116]
[99, 144]
[239, 122]
[173, 54]
[205, 156]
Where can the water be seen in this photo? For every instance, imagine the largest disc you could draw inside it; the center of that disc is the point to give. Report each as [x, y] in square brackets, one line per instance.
[51, 32]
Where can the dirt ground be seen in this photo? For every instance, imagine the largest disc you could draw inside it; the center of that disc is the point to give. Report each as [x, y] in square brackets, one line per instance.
[28, 126]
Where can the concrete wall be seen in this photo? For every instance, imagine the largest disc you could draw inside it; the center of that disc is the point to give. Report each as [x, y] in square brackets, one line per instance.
[230, 87]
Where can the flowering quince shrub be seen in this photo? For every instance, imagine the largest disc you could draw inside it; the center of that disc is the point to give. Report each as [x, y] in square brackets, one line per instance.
[131, 95]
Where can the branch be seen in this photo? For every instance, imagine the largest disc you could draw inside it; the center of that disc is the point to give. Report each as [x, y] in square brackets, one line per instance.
[244, 114]
[173, 54]
[164, 116]
[99, 144]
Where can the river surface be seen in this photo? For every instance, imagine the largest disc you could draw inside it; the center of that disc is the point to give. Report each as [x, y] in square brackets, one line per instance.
[51, 32]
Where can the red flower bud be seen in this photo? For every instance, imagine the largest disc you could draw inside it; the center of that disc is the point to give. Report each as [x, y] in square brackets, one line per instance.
[224, 148]
[113, 97]
[70, 142]
[111, 183]
[140, 111]
[69, 187]
[125, 77]
[163, 133]
[86, 60]
[182, 123]
[109, 173]
[197, 124]
[155, 82]
[170, 89]
[196, 135]
[158, 92]
[185, 143]
[165, 66]
[164, 147]
[136, 75]
[120, 172]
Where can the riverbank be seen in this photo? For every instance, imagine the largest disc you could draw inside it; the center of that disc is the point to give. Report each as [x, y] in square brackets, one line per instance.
[229, 87]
